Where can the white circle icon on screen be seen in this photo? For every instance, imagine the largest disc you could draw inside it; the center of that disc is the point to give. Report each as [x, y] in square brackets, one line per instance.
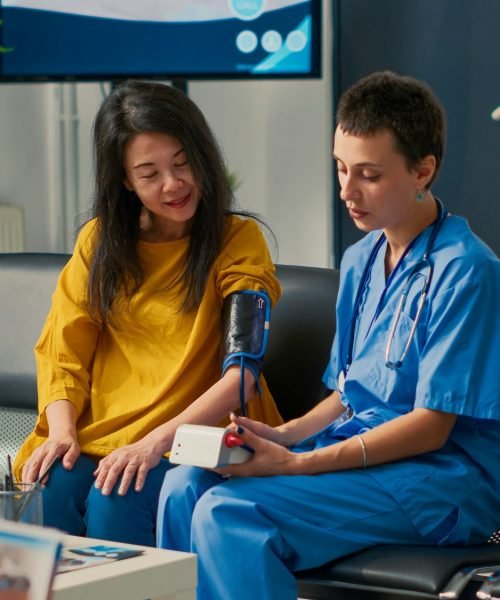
[296, 41]
[247, 9]
[246, 41]
[271, 41]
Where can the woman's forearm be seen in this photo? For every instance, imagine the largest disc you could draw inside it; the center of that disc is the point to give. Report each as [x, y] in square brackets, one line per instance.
[61, 418]
[210, 408]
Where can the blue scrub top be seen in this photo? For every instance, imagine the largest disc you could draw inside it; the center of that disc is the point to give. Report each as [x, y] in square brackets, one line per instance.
[451, 495]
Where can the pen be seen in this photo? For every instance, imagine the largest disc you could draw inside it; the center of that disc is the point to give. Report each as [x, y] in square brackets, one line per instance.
[36, 486]
[11, 477]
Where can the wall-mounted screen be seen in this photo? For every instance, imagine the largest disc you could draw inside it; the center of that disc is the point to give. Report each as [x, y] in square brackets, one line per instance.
[51, 40]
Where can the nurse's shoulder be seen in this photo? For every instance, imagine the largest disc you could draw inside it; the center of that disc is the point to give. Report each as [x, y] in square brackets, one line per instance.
[463, 261]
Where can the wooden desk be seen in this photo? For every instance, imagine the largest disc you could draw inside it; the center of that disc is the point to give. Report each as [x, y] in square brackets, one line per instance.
[156, 575]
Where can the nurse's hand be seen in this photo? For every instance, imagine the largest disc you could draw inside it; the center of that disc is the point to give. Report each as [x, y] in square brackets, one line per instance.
[268, 458]
[127, 463]
[273, 434]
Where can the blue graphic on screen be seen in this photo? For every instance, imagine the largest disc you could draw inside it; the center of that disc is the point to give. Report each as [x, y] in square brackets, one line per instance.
[96, 39]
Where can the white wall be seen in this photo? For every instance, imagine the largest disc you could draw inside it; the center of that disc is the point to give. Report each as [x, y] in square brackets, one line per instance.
[24, 164]
[276, 136]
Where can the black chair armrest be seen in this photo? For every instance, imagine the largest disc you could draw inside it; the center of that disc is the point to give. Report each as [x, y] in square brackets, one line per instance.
[422, 570]
[490, 590]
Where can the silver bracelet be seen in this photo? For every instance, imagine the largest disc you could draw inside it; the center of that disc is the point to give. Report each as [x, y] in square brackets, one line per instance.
[363, 448]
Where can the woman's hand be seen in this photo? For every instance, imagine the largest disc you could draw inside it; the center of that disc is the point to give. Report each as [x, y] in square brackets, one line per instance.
[268, 458]
[62, 441]
[134, 460]
[63, 445]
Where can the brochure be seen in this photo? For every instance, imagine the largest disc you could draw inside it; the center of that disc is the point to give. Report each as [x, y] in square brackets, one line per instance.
[88, 556]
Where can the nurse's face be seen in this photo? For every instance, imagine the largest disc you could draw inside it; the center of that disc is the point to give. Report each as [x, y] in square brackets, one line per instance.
[376, 185]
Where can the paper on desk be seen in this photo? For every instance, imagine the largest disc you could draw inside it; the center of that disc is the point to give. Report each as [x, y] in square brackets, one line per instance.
[72, 562]
[90, 556]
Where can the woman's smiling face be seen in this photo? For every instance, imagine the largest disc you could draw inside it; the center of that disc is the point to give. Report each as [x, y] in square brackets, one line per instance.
[158, 171]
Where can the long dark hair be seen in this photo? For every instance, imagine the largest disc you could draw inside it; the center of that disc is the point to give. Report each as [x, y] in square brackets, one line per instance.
[138, 107]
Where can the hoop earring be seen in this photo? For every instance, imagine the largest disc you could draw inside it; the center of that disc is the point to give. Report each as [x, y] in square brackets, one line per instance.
[145, 219]
[420, 196]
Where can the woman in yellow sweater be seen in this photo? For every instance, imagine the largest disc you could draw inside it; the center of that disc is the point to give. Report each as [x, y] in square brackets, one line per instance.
[133, 344]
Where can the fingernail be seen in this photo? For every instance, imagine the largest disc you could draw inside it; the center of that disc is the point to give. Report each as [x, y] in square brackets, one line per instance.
[232, 415]
[240, 430]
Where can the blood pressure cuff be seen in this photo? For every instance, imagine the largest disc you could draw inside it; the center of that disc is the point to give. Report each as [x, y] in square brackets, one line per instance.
[245, 327]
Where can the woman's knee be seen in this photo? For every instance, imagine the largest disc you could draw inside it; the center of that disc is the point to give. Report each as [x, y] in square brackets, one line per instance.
[65, 495]
[98, 503]
[129, 518]
[70, 485]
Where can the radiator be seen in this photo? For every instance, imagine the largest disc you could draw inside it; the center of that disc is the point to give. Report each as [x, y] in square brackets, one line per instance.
[11, 229]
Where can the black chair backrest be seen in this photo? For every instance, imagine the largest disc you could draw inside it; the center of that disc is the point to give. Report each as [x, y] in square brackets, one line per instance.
[301, 334]
[300, 338]
[27, 281]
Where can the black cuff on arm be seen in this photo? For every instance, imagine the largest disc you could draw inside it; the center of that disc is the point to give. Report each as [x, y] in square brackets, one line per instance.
[245, 328]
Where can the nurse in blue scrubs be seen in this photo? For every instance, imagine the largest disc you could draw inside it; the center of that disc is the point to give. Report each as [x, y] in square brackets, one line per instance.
[406, 448]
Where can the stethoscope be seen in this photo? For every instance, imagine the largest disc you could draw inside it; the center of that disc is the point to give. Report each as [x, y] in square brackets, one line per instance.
[423, 266]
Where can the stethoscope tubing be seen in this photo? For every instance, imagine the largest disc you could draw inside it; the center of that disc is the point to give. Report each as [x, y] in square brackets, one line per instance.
[423, 263]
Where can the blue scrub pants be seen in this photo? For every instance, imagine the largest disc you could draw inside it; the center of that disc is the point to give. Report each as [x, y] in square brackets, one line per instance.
[250, 534]
[73, 504]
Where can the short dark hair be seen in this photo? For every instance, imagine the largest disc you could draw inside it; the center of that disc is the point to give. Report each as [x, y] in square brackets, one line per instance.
[404, 106]
[132, 108]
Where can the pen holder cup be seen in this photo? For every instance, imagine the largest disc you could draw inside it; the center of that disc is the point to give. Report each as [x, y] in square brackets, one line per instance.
[23, 504]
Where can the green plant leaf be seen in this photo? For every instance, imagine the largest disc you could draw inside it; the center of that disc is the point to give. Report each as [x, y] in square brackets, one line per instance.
[233, 180]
